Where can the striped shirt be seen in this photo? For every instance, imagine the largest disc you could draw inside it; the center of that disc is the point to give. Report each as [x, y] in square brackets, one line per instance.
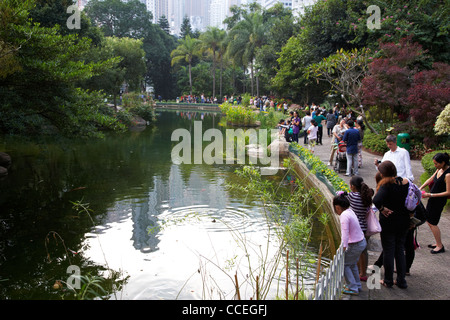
[360, 210]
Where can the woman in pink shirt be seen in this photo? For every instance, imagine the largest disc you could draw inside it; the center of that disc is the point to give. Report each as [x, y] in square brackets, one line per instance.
[353, 241]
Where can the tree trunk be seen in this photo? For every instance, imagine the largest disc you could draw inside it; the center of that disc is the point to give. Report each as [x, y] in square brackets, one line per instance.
[362, 113]
[214, 74]
[190, 79]
[257, 86]
[221, 76]
[251, 76]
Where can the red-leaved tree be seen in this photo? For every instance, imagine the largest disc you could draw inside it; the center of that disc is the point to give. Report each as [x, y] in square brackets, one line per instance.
[391, 76]
[427, 98]
[401, 82]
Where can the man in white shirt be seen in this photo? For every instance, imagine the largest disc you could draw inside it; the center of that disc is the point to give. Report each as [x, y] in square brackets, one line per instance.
[306, 122]
[399, 156]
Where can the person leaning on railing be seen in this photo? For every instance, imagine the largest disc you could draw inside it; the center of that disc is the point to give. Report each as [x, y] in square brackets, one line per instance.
[353, 242]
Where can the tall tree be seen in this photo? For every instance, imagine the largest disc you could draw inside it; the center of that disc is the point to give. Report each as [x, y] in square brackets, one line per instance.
[43, 91]
[120, 19]
[246, 37]
[187, 49]
[130, 68]
[426, 22]
[223, 46]
[401, 81]
[186, 28]
[164, 24]
[131, 19]
[345, 72]
[211, 41]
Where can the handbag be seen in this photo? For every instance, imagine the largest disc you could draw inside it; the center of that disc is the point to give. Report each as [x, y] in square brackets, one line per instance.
[373, 225]
[420, 215]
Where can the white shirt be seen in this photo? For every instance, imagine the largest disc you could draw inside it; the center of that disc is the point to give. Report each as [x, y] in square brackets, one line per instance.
[339, 131]
[313, 132]
[400, 158]
[306, 122]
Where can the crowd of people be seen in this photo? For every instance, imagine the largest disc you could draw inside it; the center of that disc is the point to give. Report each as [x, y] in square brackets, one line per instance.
[197, 99]
[341, 125]
[394, 180]
[393, 176]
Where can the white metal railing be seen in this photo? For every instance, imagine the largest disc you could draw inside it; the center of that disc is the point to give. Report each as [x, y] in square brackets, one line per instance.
[330, 284]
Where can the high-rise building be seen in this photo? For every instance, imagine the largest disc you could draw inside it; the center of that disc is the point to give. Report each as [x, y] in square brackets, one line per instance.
[158, 8]
[298, 6]
[198, 13]
[270, 3]
[175, 15]
[218, 12]
[204, 13]
[220, 9]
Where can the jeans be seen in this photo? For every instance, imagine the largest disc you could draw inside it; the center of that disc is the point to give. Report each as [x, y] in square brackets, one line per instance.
[352, 159]
[305, 138]
[319, 134]
[351, 272]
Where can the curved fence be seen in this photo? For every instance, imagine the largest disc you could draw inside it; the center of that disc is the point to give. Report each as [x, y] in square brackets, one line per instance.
[330, 284]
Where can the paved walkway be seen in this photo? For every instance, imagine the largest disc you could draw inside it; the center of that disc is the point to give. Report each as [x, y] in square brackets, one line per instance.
[430, 274]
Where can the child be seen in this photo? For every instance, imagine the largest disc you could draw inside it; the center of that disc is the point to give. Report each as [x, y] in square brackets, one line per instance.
[289, 133]
[353, 242]
[312, 135]
[360, 201]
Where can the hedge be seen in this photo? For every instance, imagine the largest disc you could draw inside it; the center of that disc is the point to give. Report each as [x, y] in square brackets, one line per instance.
[427, 161]
[375, 142]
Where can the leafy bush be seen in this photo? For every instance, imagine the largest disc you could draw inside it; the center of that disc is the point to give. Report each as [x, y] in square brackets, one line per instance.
[124, 117]
[443, 122]
[375, 142]
[146, 112]
[224, 107]
[270, 119]
[427, 164]
[427, 161]
[240, 115]
[320, 168]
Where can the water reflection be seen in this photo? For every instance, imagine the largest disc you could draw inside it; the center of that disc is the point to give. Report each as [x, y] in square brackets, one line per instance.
[132, 187]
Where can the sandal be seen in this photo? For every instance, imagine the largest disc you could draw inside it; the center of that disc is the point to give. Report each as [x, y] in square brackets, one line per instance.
[350, 292]
[385, 284]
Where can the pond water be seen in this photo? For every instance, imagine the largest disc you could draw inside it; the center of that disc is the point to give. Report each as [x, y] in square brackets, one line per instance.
[156, 229]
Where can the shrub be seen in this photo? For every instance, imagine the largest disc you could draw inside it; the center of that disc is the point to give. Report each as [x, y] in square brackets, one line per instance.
[224, 107]
[124, 117]
[144, 111]
[320, 168]
[240, 115]
[443, 122]
[270, 119]
[375, 142]
[427, 161]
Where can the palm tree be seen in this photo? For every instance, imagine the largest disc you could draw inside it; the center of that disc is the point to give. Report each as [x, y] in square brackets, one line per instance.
[187, 49]
[223, 46]
[245, 38]
[211, 40]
